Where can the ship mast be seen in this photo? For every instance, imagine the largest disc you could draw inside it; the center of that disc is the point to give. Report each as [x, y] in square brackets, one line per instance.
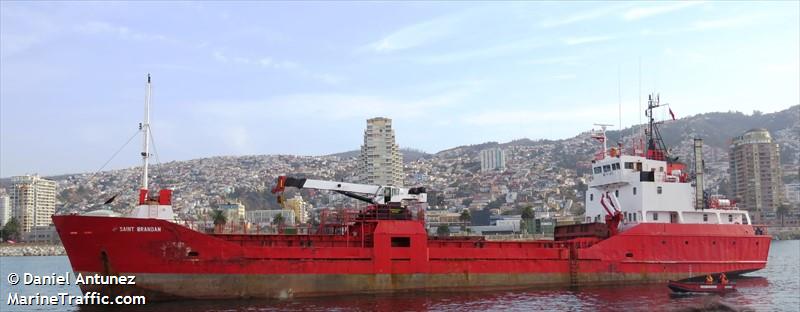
[145, 127]
[656, 149]
[601, 136]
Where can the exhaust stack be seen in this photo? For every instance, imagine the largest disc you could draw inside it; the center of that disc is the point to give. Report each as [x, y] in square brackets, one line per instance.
[699, 196]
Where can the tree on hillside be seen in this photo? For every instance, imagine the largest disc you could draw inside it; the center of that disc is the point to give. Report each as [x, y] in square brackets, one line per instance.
[11, 231]
[219, 221]
[465, 219]
[527, 212]
[443, 230]
[278, 220]
[527, 218]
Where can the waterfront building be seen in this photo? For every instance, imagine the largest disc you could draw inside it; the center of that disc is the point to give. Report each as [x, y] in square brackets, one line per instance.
[793, 193]
[436, 218]
[380, 162]
[234, 211]
[755, 172]
[5, 209]
[33, 200]
[493, 159]
[300, 209]
[265, 217]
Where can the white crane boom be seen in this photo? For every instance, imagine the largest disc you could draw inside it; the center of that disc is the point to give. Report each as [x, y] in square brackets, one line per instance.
[375, 194]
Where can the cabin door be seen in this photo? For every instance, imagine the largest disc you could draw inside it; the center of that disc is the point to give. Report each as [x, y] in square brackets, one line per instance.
[673, 217]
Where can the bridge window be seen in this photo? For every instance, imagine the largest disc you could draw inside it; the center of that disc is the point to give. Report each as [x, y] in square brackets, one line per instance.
[598, 170]
[634, 190]
[705, 217]
[401, 241]
[615, 166]
[658, 190]
[628, 165]
[606, 168]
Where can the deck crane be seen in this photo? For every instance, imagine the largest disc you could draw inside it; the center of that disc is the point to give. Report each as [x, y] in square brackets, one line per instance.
[372, 194]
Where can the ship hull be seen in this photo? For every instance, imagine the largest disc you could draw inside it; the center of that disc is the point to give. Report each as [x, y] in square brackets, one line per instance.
[171, 261]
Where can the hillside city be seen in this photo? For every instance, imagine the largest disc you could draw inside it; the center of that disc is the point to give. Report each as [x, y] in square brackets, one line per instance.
[550, 177]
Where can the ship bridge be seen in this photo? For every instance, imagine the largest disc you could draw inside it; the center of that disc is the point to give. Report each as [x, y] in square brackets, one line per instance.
[643, 188]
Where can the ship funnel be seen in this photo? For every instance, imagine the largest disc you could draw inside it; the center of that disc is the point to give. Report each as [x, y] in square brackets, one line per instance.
[699, 196]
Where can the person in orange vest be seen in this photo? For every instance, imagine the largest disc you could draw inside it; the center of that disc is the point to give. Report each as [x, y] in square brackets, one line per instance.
[709, 279]
[723, 279]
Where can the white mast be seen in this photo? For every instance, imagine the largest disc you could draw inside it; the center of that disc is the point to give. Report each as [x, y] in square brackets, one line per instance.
[145, 127]
[602, 137]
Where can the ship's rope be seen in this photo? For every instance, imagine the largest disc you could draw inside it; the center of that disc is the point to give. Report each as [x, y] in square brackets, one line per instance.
[117, 152]
[94, 175]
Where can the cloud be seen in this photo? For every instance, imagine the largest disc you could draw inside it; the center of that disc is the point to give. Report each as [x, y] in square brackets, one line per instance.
[122, 32]
[270, 63]
[790, 67]
[22, 29]
[498, 50]
[580, 17]
[564, 77]
[555, 60]
[416, 35]
[729, 22]
[526, 117]
[237, 138]
[687, 55]
[585, 40]
[708, 24]
[333, 107]
[648, 11]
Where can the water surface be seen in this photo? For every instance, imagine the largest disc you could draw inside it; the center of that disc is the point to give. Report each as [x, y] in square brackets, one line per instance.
[776, 288]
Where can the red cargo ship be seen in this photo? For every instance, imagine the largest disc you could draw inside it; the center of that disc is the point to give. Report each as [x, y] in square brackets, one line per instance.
[642, 226]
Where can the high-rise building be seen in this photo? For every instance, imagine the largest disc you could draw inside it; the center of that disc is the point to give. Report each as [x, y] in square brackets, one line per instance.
[493, 159]
[380, 162]
[755, 170]
[34, 201]
[5, 209]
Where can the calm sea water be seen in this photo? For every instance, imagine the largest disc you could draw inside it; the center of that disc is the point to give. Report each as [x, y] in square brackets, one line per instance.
[776, 288]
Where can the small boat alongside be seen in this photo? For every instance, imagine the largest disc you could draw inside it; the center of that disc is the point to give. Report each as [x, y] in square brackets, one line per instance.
[694, 287]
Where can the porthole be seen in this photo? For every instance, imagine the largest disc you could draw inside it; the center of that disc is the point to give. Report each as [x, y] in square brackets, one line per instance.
[686, 242]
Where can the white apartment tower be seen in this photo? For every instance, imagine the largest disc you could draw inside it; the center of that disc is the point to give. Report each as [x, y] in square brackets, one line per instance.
[755, 169]
[493, 159]
[5, 209]
[380, 162]
[33, 201]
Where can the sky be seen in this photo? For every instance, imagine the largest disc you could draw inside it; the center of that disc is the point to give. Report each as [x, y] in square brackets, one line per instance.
[251, 78]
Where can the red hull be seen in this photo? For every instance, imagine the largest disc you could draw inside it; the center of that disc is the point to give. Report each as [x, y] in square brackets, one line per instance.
[172, 261]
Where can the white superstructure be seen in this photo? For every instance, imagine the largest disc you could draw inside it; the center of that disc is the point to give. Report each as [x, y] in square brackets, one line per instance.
[650, 190]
